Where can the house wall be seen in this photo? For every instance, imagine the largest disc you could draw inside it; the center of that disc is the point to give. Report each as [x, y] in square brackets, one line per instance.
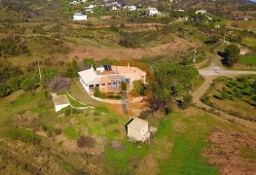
[80, 18]
[107, 85]
[86, 87]
[60, 107]
[134, 134]
[144, 130]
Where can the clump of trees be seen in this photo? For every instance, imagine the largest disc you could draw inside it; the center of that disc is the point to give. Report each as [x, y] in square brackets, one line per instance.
[11, 46]
[232, 55]
[171, 86]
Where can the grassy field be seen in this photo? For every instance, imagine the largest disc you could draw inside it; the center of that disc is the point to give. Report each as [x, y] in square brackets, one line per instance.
[178, 147]
[249, 60]
[250, 42]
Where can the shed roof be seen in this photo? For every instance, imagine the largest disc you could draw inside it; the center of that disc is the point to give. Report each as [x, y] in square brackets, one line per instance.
[137, 124]
[60, 100]
[79, 14]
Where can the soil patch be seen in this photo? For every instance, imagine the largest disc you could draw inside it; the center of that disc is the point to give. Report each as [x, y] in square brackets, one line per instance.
[227, 152]
[81, 52]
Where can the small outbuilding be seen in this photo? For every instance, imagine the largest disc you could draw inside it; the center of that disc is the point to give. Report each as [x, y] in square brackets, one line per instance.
[137, 130]
[79, 17]
[60, 102]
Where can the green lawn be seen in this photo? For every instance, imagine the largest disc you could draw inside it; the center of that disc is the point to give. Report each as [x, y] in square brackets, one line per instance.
[249, 60]
[71, 133]
[74, 103]
[189, 139]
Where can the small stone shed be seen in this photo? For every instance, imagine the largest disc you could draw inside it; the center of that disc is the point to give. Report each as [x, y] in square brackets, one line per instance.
[60, 102]
[137, 130]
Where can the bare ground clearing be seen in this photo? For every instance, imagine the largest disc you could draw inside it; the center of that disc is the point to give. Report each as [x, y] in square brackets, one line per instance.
[81, 52]
[232, 152]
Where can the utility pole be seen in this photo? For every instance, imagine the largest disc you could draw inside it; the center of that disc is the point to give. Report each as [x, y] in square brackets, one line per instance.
[39, 70]
[195, 52]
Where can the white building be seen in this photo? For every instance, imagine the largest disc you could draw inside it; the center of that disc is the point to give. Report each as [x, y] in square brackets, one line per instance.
[109, 79]
[79, 17]
[137, 130]
[200, 12]
[60, 102]
[152, 11]
[131, 8]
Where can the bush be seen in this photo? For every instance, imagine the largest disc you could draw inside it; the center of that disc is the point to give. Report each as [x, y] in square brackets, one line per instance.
[28, 84]
[96, 92]
[83, 141]
[14, 83]
[72, 69]
[67, 112]
[58, 131]
[3, 90]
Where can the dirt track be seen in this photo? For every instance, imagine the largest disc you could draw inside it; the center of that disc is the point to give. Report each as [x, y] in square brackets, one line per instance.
[214, 70]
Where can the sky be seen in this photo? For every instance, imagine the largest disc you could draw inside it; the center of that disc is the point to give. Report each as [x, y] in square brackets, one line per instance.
[253, 0]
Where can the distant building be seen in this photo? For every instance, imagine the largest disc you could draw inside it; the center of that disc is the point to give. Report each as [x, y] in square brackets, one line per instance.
[74, 3]
[137, 130]
[131, 8]
[200, 12]
[109, 78]
[60, 102]
[79, 17]
[152, 11]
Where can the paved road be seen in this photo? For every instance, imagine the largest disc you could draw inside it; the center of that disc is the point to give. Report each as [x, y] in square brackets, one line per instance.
[214, 70]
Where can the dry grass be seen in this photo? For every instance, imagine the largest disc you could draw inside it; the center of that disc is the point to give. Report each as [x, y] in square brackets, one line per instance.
[81, 52]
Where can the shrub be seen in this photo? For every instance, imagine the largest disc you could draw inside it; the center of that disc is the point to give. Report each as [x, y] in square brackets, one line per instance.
[3, 90]
[28, 84]
[58, 131]
[97, 92]
[14, 83]
[67, 112]
[83, 141]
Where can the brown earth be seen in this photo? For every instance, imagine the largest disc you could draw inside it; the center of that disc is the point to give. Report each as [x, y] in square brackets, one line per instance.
[81, 52]
[232, 151]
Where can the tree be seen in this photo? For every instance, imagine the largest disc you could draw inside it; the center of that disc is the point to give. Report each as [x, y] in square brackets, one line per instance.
[72, 69]
[14, 83]
[3, 90]
[232, 55]
[28, 84]
[88, 62]
[138, 87]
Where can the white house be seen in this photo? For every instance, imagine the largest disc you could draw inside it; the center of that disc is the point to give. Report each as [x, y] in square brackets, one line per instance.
[200, 12]
[79, 17]
[60, 102]
[137, 130]
[131, 8]
[109, 78]
[152, 11]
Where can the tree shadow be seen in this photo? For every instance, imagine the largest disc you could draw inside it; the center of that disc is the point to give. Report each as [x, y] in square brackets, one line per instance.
[223, 56]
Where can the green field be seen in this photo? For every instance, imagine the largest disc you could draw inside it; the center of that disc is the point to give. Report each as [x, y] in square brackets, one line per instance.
[250, 42]
[249, 60]
[235, 96]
